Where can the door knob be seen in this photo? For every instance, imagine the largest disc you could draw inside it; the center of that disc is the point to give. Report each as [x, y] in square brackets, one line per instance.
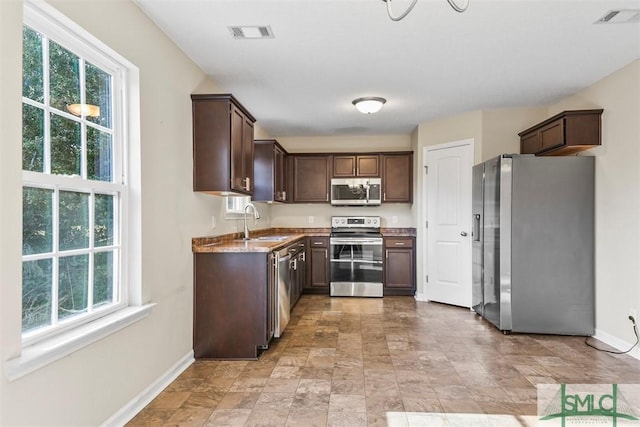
[463, 233]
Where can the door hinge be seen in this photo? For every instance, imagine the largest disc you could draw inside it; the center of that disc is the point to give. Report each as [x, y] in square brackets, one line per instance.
[426, 224]
[426, 169]
[427, 278]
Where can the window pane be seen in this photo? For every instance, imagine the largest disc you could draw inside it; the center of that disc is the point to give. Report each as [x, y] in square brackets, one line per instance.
[36, 294]
[74, 220]
[98, 155]
[103, 232]
[64, 76]
[73, 279]
[37, 220]
[32, 69]
[32, 138]
[66, 148]
[98, 88]
[102, 278]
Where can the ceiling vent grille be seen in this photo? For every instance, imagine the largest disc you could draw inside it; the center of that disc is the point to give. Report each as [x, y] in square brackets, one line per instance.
[620, 16]
[251, 32]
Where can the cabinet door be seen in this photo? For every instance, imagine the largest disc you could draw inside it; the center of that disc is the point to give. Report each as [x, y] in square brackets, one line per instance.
[397, 179]
[368, 166]
[530, 143]
[352, 166]
[237, 147]
[247, 154]
[399, 268]
[344, 166]
[311, 178]
[280, 193]
[552, 135]
[318, 264]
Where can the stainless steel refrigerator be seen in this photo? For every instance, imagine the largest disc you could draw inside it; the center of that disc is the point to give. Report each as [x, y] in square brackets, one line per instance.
[533, 243]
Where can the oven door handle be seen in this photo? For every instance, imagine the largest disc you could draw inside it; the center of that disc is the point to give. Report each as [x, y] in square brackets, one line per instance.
[354, 241]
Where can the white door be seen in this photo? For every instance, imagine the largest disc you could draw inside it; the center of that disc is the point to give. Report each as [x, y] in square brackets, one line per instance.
[448, 196]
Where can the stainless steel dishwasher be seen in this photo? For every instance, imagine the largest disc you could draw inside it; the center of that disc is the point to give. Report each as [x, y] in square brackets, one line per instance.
[283, 301]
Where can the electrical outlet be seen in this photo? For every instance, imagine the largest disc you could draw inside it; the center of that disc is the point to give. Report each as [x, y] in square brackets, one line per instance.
[310, 219]
[394, 219]
[213, 221]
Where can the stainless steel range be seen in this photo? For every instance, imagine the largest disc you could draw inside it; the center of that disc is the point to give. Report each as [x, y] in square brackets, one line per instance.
[356, 256]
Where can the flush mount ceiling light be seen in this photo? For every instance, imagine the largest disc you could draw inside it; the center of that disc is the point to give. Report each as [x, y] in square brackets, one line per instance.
[369, 104]
[457, 5]
[87, 110]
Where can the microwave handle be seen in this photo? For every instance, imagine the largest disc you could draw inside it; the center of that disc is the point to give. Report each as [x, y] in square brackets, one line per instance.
[368, 187]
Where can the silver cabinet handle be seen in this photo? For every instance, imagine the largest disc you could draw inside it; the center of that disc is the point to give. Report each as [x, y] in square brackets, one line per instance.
[463, 234]
[399, 243]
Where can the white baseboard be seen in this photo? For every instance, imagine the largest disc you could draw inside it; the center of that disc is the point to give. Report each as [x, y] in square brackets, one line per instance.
[617, 343]
[421, 297]
[131, 409]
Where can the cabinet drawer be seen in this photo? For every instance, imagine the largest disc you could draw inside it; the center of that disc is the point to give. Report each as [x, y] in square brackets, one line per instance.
[398, 242]
[318, 242]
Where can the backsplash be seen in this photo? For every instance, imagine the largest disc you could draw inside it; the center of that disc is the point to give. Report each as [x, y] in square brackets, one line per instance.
[319, 215]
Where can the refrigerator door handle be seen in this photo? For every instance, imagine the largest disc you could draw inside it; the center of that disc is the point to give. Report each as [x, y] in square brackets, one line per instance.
[476, 228]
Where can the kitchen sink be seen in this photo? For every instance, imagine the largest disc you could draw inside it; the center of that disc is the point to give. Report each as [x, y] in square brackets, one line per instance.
[267, 239]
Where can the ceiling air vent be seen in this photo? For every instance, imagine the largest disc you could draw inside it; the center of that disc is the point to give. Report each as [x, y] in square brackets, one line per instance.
[620, 16]
[251, 32]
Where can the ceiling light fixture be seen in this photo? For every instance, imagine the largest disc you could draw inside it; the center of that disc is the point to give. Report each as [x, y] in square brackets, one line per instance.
[84, 110]
[457, 5]
[369, 104]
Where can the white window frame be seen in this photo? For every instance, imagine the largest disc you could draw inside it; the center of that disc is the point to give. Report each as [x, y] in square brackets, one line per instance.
[42, 348]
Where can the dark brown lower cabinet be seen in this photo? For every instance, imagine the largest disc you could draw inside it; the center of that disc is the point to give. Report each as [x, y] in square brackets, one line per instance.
[317, 266]
[298, 276]
[230, 305]
[399, 266]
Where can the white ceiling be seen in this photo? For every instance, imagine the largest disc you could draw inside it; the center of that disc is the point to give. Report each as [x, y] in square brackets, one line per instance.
[434, 63]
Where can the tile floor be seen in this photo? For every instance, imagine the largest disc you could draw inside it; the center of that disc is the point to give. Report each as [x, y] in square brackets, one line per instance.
[384, 362]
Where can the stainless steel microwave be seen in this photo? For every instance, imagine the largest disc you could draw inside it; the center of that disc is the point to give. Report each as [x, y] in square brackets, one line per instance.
[356, 191]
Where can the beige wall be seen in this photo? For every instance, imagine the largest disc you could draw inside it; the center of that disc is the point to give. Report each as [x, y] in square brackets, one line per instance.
[617, 197]
[92, 384]
[342, 144]
[10, 187]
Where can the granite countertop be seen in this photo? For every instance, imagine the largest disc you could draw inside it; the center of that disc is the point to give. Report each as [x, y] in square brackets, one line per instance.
[234, 243]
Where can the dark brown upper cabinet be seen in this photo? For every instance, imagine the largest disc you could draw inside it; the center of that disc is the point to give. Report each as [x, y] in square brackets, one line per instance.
[397, 177]
[310, 177]
[222, 145]
[563, 134]
[348, 166]
[269, 168]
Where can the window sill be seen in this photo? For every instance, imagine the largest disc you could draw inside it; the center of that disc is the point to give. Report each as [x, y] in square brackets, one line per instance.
[45, 352]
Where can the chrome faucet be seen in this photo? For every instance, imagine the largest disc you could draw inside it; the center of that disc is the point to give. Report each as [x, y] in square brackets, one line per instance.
[256, 216]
